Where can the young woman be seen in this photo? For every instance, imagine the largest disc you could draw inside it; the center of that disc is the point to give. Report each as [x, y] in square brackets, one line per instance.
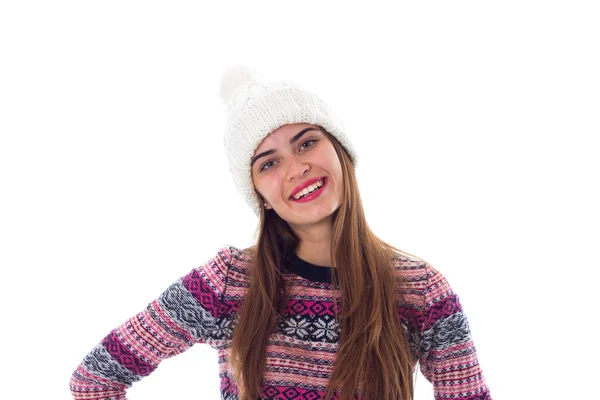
[319, 307]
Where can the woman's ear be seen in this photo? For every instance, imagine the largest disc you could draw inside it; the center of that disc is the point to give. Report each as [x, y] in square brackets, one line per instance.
[262, 200]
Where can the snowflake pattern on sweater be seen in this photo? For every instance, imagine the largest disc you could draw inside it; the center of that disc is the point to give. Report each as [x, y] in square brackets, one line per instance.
[201, 308]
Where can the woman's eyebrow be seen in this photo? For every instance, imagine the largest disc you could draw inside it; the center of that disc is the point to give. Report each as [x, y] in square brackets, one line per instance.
[292, 140]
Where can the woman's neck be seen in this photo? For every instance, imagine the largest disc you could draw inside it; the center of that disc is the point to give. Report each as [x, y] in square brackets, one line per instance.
[315, 245]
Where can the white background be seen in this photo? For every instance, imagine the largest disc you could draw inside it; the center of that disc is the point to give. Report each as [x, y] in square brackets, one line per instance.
[475, 124]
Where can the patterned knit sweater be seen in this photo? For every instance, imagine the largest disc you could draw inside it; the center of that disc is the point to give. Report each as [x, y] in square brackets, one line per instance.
[201, 307]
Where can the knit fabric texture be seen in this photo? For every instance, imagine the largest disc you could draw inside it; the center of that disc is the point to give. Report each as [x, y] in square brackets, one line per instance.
[201, 307]
[257, 108]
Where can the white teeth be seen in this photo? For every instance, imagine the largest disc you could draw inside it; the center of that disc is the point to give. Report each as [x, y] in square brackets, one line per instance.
[309, 189]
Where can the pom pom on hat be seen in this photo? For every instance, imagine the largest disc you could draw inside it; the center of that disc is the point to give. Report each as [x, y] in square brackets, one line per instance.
[232, 78]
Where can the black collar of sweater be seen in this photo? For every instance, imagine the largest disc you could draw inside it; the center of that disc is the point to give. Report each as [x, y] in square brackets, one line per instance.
[310, 271]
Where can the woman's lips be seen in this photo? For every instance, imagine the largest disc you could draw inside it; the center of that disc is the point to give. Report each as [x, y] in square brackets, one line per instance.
[312, 195]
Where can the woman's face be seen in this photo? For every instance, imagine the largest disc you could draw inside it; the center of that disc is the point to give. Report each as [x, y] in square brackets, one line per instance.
[301, 152]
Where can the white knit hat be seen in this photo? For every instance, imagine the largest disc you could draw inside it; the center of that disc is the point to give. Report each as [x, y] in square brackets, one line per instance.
[255, 109]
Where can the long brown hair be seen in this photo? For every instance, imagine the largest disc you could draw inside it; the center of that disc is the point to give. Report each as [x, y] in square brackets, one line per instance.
[373, 352]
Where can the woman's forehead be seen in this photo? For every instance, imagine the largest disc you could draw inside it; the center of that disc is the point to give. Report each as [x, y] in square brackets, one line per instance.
[280, 135]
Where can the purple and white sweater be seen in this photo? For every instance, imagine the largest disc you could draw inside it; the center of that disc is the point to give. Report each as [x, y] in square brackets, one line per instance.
[201, 307]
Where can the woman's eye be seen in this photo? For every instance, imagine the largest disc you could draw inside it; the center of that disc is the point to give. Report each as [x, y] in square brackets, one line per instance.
[309, 140]
[263, 166]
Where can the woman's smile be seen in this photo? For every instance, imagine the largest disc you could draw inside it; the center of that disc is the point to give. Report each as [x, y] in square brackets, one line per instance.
[311, 195]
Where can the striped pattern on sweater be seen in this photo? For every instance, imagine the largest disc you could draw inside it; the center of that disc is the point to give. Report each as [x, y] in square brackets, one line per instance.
[201, 308]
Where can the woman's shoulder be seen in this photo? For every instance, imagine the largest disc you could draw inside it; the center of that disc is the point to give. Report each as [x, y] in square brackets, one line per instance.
[413, 277]
[238, 262]
[236, 254]
[414, 274]
[410, 267]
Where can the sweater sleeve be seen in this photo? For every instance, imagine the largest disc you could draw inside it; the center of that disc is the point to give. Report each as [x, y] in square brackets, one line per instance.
[448, 357]
[187, 312]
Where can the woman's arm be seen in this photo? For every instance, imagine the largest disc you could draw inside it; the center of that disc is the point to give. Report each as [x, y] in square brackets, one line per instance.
[448, 357]
[184, 314]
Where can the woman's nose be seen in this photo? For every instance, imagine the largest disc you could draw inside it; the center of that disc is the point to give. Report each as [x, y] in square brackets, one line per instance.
[297, 169]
